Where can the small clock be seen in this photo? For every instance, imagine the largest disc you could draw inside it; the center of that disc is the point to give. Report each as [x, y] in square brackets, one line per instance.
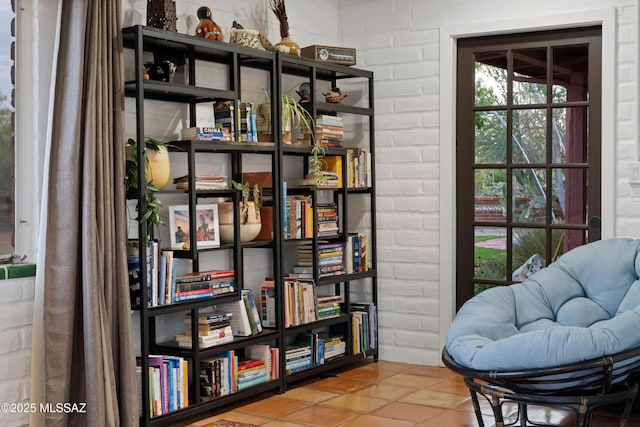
[333, 54]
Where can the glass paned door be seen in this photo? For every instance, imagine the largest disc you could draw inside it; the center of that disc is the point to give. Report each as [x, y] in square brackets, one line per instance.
[528, 153]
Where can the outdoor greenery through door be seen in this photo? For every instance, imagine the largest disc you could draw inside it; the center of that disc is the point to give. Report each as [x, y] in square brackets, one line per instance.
[528, 153]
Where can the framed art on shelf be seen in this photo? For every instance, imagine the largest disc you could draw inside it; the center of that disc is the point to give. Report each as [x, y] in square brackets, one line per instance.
[207, 226]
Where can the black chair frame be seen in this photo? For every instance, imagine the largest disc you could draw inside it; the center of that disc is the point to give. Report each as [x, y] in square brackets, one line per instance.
[580, 387]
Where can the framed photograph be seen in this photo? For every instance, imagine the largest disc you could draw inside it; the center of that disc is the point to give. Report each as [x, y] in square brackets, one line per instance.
[207, 226]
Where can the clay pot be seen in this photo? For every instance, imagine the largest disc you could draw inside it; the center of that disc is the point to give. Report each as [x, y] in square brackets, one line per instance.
[250, 225]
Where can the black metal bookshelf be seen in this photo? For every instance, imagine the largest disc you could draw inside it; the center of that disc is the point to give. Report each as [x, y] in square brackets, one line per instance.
[192, 51]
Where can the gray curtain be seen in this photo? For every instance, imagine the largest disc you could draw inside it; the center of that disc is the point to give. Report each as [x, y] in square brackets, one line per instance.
[88, 344]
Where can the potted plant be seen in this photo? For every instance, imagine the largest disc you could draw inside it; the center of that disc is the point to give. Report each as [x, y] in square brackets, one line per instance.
[157, 172]
[250, 221]
[293, 115]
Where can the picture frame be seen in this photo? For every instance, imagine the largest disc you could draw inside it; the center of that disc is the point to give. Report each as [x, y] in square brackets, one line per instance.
[207, 223]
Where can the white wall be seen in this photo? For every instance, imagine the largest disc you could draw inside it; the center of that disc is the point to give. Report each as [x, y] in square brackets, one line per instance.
[402, 42]
[16, 318]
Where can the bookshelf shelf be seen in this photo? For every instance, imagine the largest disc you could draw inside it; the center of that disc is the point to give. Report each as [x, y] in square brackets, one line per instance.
[269, 258]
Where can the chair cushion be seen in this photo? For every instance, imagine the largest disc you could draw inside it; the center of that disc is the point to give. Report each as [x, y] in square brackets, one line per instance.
[584, 306]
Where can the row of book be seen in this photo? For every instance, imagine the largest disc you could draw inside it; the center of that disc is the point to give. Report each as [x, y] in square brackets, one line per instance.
[313, 349]
[168, 384]
[356, 253]
[299, 213]
[241, 116]
[245, 317]
[358, 168]
[227, 373]
[364, 321]
[299, 301]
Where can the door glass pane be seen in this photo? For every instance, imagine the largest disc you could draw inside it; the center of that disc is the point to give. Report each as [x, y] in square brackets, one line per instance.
[529, 136]
[491, 137]
[490, 190]
[530, 76]
[491, 78]
[565, 240]
[570, 73]
[529, 196]
[529, 252]
[569, 138]
[490, 253]
[569, 196]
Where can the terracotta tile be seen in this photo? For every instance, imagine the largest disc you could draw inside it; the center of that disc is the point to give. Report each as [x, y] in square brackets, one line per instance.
[366, 373]
[434, 398]
[408, 380]
[385, 391]
[233, 416]
[373, 421]
[451, 385]
[396, 366]
[272, 407]
[407, 412]
[453, 419]
[308, 395]
[355, 402]
[321, 416]
[337, 385]
[435, 371]
[280, 423]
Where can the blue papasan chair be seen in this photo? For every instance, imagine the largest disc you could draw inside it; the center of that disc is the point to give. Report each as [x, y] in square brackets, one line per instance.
[567, 336]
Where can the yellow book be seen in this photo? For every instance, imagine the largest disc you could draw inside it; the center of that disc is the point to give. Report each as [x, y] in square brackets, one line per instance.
[334, 164]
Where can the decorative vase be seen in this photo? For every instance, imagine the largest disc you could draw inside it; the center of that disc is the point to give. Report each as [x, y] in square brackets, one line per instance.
[244, 37]
[286, 45]
[158, 168]
[250, 226]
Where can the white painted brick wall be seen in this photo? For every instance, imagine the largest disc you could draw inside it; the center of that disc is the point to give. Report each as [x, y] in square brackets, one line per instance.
[400, 41]
[16, 318]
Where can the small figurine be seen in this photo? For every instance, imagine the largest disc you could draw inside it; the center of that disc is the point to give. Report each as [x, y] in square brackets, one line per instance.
[207, 29]
[304, 92]
[334, 96]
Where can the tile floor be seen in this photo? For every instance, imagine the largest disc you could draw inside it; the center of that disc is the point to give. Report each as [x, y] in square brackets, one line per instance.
[385, 394]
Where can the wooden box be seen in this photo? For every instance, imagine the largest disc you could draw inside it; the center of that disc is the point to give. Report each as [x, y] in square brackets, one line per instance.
[333, 54]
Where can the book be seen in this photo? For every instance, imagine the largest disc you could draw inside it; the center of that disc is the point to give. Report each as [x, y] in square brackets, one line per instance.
[240, 320]
[268, 303]
[253, 308]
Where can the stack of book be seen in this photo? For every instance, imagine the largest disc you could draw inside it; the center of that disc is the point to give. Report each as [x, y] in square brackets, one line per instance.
[251, 372]
[206, 134]
[270, 355]
[204, 284]
[334, 347]
[214, 328]
[329, 130]
[202, 182]
[298, 358]
[328, 306]
[331, 259]
[168, 383]
[327, 219]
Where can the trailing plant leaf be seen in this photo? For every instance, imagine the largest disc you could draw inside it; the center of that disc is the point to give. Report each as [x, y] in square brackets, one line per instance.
[246, 192]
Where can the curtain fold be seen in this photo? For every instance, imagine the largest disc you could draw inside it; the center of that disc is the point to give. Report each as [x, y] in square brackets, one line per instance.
[88, 343]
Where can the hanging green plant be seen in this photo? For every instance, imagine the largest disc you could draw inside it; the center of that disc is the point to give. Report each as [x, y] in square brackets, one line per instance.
[152, 203]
